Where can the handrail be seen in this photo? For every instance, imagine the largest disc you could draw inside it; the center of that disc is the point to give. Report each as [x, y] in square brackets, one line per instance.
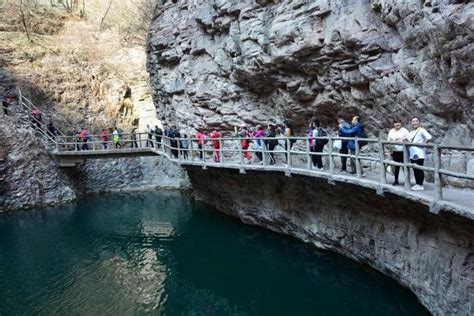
[29, 107]
[228, 150]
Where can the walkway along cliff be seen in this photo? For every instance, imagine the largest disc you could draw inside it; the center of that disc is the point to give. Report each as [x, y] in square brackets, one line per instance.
[425, 240]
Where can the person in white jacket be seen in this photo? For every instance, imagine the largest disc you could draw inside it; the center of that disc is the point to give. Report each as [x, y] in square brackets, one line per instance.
[397, 134]
[418, 135]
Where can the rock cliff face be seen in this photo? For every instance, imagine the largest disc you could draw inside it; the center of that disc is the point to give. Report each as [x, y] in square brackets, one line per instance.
[30, 177]
[430, 254]
[251, 61]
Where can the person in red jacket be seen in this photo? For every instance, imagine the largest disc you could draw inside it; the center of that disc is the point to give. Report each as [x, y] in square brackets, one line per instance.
[104, 137]
[201, 141]
[84, 136]
[215, 135]
[245, 137]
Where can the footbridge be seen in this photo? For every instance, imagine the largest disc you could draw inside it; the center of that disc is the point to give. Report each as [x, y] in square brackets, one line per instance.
[292, 156]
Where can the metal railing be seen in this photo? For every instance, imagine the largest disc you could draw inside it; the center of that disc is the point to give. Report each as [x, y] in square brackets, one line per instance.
[293, 154]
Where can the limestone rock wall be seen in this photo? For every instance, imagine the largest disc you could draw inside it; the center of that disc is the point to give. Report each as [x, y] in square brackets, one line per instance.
[253, 61]
[430, 254]
[30, 176]
[128, 174]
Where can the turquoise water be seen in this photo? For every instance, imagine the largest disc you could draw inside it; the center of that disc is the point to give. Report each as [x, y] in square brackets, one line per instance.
[164, 253]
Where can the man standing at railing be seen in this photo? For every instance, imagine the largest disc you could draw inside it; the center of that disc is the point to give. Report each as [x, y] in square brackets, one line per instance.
[356, 130]
[173, 134]
[133, 137]
[149, 140]
[418, 135]
[158, 136]
[201, 141]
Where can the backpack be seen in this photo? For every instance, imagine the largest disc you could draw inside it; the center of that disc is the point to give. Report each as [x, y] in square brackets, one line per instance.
[362, 143]
[322, 133]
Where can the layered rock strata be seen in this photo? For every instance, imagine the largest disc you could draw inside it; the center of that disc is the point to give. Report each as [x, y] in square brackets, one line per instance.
[433, 255]
[230, 62]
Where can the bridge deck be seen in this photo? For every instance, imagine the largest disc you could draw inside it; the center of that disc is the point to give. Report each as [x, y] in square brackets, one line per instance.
[456, 200]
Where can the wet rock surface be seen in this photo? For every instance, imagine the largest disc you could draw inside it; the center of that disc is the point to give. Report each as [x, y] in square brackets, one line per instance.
[214, 62]
[430, 254]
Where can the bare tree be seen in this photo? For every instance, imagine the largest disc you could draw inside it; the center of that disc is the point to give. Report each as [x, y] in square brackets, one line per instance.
[140, 20]
[23, 21]
[105, 16]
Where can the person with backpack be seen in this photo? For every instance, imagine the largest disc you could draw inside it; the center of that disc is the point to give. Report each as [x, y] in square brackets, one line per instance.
[418, 135]
[272, 142]
[317, 144]
[158, 136]
[356, 130]
[173, 134]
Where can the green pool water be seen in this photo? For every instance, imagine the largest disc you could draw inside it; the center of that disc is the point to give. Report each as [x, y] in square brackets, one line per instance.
[163, 253]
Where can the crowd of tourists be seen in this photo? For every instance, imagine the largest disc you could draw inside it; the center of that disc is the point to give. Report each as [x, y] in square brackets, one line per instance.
[255, 141]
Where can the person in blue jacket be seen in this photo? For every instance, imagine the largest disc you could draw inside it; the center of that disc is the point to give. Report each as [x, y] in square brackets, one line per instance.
[344, 148]
[356, 130]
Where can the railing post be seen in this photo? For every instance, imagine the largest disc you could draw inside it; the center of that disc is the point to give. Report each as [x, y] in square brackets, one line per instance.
[437, 177]
[383, 172]
[139, 140]
[221, 153]
[241, 153]
[288, 154]
[191, 149]
[406, 171]
[264, 152]
[331, 158]
[308, 156]
[357, 161]
[93, 143]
